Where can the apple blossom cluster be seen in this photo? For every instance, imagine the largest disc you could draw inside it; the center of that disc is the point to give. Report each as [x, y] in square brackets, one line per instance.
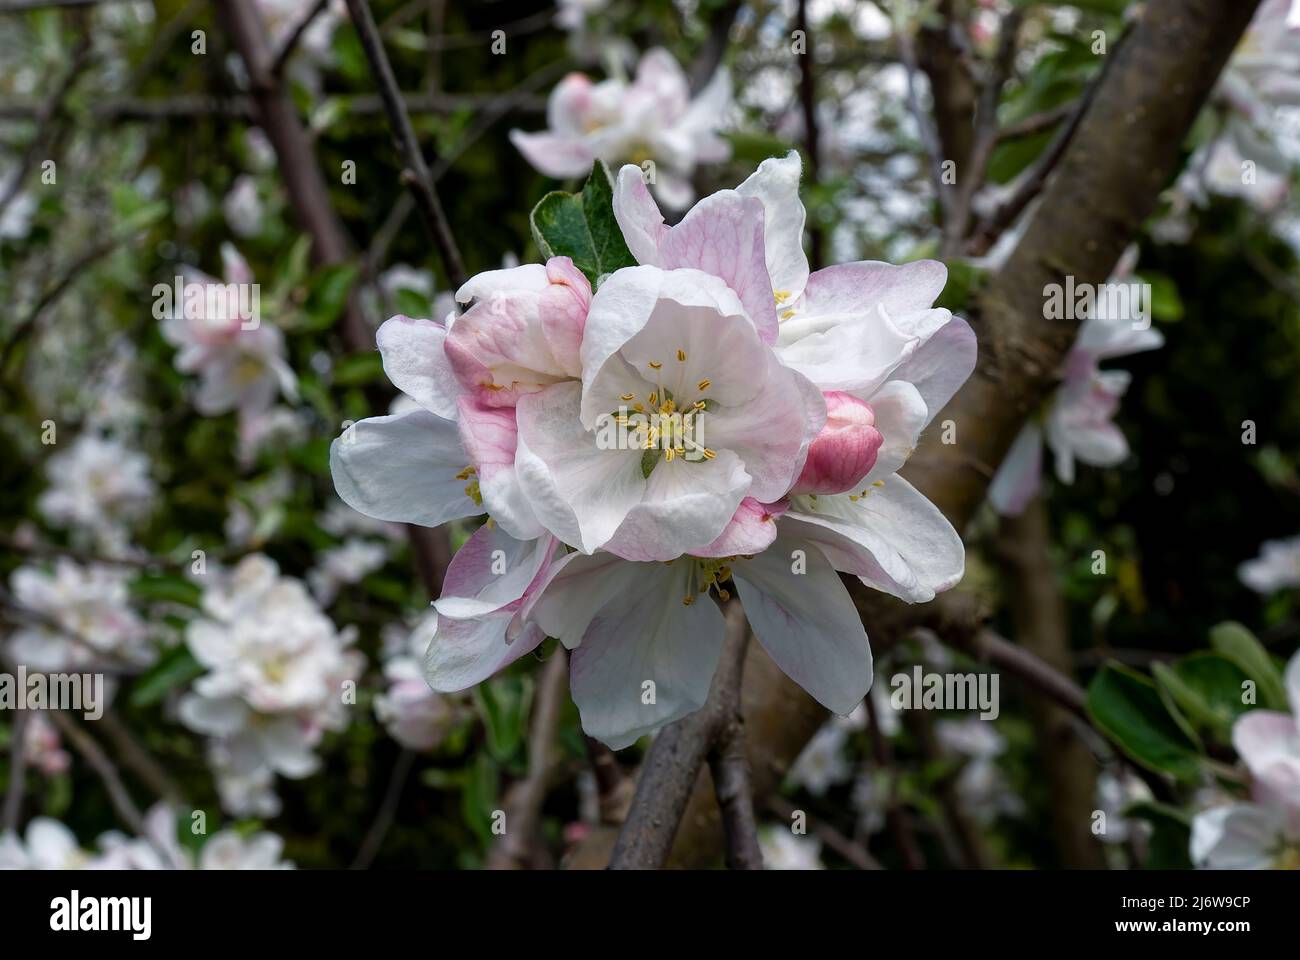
[761, 414]
[650, 120]
[1261, 88]
[238, 357]
[81, 619]
[278, 672]
[98, 487]
[48, 844]
[1077, 421]
[1276, 568]
[1263, 833]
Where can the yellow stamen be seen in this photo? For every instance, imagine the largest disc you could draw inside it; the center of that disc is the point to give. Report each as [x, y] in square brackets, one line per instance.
[655, 366]
[681, 356]
[627, 397]
[704, 384]
[786, 315]
[709, 454]
[780, 296]
[670, 454]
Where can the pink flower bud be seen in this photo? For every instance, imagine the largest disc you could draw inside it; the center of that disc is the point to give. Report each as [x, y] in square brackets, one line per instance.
[845, 451]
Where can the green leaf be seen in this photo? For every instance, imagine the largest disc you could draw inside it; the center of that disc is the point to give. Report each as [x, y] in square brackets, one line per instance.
[1127, 707]
[1171, 835]
[1207, 688]
[168, 587]
[1166, 304]
[581, 226]
[479, 797]
[504, 702]
[358, 368]
[176, 668]
[1240, 646]
[328, 294]
[411, 303]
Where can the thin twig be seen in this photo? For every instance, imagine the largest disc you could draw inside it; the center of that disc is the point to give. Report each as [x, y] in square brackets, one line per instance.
[494, 111]
[17, 772]
[1035, 123]
[416, 172]
[1033, 178]
[730, 769]
[386, 813]
[51, 108]
[138, 758]
[203, 106]
[855, 853]
[808, 107]
[986, 131]
[518, 847]
[74, 272]
[291, 42]
[99, 761]
[896, 815]
[714, 48]
[924, 122]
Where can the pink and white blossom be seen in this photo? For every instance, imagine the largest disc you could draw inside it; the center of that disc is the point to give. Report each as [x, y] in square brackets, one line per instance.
[1077, 422]
[82, 618]
[99, 486]
[277, 671]
[650, 120]
[513, 399]
[1265, 832]
[239, 359]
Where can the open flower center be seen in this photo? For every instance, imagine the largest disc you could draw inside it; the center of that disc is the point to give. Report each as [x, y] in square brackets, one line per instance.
[661, 423]
[708, 573]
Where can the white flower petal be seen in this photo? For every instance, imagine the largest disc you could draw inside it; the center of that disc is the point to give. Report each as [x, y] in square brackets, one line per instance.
[807, 623]
[403, 468]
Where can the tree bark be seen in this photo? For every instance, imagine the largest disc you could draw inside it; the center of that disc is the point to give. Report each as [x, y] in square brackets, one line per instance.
[1038, 612]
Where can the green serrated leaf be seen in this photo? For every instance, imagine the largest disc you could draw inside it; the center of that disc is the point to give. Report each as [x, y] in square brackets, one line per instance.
[1127, 707]
[1207, 687]
[1239, 645]
[582, 227]
[176, 668]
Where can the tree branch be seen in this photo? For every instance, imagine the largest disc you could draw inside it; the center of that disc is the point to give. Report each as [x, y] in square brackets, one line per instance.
[808, 106]
[673, 764]
[291, 42]
[17, 772]
[518, 847]
[1038, 612]
[330, 243]
[971, 178]
[416, 174]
